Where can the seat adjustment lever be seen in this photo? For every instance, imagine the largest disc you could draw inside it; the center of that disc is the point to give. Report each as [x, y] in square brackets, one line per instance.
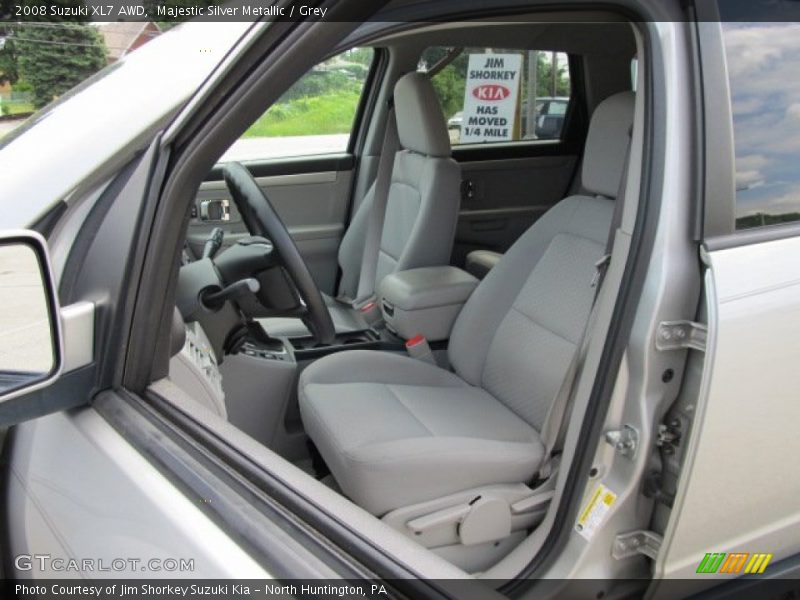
[484, 519]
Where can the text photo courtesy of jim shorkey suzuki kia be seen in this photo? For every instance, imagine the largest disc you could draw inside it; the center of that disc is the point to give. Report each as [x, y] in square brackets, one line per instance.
[491, 97]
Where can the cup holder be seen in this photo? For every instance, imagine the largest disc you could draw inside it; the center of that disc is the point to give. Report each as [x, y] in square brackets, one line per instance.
[350, 338]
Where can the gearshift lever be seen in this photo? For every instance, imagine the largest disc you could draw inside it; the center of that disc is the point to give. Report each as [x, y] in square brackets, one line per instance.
[214, 300]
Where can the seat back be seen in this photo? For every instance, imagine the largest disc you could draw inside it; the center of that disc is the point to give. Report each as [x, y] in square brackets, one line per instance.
[424, 194]
[517, 333]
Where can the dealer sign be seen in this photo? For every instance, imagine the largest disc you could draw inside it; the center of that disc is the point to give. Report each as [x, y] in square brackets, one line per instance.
[490, 97]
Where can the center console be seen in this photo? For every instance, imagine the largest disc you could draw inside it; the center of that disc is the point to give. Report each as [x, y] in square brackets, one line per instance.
[306, 348]
[268, 368]
[423, 301]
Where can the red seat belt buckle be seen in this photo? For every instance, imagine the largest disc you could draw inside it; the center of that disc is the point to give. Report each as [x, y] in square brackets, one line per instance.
[371, 313]
[418, 347]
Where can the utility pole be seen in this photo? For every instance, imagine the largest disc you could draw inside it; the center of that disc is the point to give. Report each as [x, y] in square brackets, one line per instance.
[530, 109]
[554, 74]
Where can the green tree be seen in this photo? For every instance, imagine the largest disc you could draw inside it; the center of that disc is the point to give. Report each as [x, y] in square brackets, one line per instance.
[451, 81]
[55, 57]
[9, 71]
[362, 56]
[544, 76]
[449, 84]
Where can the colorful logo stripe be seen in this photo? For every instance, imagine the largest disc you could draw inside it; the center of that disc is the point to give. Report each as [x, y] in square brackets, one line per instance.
[758, 562]
[711, 562]
[734, 562]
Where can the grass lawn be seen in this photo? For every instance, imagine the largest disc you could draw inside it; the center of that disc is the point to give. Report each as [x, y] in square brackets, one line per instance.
[317, 115]
[17, 108]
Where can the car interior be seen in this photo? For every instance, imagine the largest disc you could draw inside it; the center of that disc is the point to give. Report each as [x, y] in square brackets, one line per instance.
[401, 321]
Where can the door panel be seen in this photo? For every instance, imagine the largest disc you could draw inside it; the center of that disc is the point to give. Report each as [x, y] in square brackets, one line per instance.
[312, 204]
[744, 443]
[502, 197]
[71, 473]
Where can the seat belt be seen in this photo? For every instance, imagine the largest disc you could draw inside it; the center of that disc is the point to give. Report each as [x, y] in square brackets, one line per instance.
[616, 221]
[554, 428]
[380, 197]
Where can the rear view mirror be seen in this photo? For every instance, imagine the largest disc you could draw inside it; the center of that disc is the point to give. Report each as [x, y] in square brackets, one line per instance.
[30, 348]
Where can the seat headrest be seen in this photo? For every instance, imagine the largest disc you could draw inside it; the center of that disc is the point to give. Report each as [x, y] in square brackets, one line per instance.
[420, 122]
[607, 144]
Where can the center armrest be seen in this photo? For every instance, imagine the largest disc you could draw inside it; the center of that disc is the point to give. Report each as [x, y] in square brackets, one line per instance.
[424, 301]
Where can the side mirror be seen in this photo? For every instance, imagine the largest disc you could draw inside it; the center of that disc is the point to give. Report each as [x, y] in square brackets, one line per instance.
[30, 329]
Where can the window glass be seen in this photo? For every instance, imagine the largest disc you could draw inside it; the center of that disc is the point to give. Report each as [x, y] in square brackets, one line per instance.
[763, 61]
[486, 93]
[315, 116]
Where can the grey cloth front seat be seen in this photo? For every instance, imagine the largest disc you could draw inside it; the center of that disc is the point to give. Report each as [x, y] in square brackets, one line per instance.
[396, 431]
[421, 207]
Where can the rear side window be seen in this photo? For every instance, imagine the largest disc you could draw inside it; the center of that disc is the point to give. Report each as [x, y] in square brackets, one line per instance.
[491, 95]
[763, 66]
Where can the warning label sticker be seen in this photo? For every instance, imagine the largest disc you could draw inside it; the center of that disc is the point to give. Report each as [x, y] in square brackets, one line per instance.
[593, 515]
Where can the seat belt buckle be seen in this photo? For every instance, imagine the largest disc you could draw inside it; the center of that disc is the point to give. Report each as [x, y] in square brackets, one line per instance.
[371, 313]
[419, 348]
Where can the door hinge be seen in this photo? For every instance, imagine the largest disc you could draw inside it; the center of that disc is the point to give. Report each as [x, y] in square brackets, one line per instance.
[681, 335]
[636, 542]
[625, 440]
[654, 488]
[668, 436]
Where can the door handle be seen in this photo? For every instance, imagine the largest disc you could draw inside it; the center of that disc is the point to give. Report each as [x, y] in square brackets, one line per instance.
[215, 210]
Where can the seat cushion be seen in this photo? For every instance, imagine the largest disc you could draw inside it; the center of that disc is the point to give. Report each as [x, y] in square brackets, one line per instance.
[345, 318]
[396, 431]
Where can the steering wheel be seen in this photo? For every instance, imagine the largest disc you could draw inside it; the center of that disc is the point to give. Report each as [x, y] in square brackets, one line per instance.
[261, 219]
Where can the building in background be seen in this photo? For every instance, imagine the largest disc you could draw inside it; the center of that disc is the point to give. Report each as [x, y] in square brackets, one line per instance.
[123, 37]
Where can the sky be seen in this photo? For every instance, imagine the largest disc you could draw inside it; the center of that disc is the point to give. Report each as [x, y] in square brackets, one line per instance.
[764, 70]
